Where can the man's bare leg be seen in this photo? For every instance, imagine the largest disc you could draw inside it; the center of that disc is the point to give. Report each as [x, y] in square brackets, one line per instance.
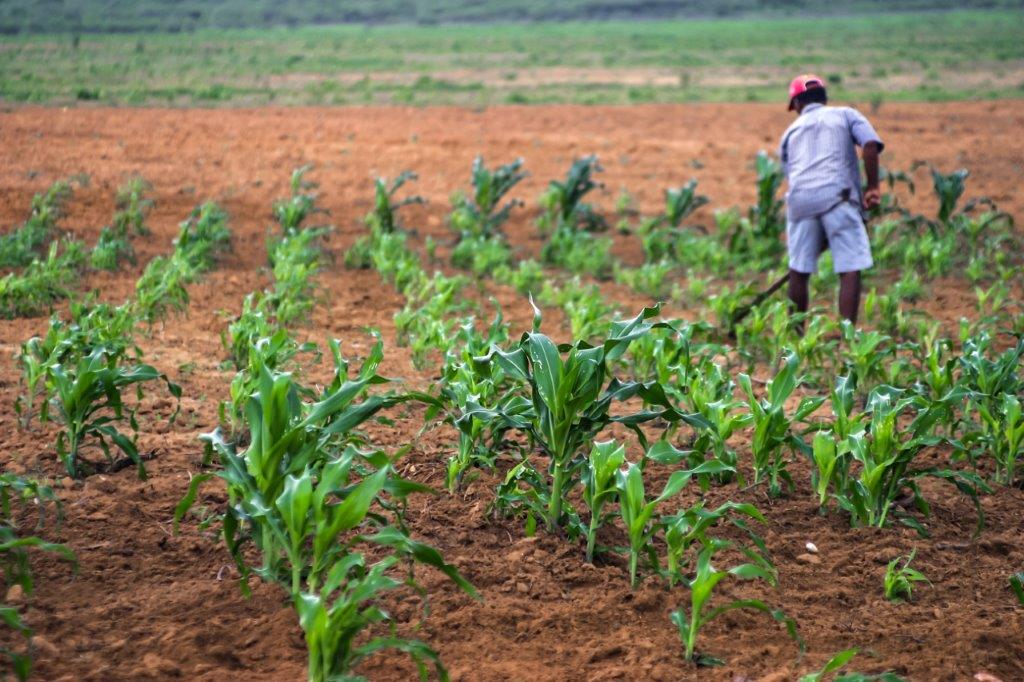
[849, 295]
[799, 294]
[799, 290]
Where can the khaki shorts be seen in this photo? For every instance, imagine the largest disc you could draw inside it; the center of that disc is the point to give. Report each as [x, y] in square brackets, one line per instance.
[841, 229]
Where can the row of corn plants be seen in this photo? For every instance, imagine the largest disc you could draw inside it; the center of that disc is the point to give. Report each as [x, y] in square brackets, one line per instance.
[322, 511]
[80, 372]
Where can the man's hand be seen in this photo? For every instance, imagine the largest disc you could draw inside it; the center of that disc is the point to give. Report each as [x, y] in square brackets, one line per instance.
[872, 198]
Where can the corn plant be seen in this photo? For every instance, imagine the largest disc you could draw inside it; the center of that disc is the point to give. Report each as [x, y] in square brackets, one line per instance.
[570, 402]
[899, 580]
[277, 352]
[709, 393]
[1003, 434]
[688, 529]
[464, 384]
[993, 387]
[648, 279]
[773, 427]
[44, 282]
[424, 323]
[562, 201]
[161, 288]
[86, 401]
[21, 246]
[584, 306]
[758, 234]
[295, 260]
[292, 212]
[886, 452]
[578, 251]
[90, 325]
[637, 511]
[14, 555]
[307, 498]
[201, 239]
[690, 621]
[133, 206]
[527, 277]
[114, 242]
[838, 661]
[481, 256]
[866, 355]
[1017, 585]
[659, 233]
[599, 474]
[384, 216]
[110, 249]
[481, 215]
[948, 188]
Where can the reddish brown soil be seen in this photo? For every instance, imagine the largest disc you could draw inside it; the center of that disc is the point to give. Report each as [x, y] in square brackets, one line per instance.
[147, 603]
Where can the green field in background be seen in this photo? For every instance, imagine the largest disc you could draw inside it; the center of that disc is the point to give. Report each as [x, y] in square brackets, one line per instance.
[933, 56]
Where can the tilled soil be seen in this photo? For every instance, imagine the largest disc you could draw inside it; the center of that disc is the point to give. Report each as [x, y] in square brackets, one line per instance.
[147, 602]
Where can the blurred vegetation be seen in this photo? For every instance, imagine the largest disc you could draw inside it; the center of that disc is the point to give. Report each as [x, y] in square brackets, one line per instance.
[117, 16]
[869, 59]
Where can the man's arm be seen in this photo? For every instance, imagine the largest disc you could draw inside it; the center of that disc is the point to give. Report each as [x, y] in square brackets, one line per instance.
[872, 195]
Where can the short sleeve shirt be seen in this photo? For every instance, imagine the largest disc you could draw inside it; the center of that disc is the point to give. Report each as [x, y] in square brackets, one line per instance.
[819, 155]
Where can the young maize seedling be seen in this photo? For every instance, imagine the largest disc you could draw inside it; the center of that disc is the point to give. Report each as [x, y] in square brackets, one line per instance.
[831, 466]
[659, 234]
[527, 277]
[275, 352]
[90, 325]
[86, 400]
[886, 453]
[292, 212]
[562, 202]
[384, 216]
[767, 214]
[773, 428]
[132, 207]
[1003, 429]
[21, 246]
[424, 323]
[1017, 585]
[866, 354]
[841, 659]
[948, 188]
[691, 621]
[598, 475]
[579, 252]
[201, 238]
[688, 528]
[479, 216]
[114, 240]
[833, 664]
[110, 249]
[584, 306]
[570, 402]
[648, 279]
[899, 580]
[464, 384]
[43, 282]
[295, 260]
[14, 556]
[481, 256]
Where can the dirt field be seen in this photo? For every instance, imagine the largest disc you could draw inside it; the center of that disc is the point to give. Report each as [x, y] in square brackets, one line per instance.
[147, 603]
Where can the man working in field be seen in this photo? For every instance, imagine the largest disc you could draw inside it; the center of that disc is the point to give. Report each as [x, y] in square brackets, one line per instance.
[823, 204]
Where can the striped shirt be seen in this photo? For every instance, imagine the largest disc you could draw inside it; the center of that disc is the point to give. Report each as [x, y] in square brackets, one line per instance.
[819, 156]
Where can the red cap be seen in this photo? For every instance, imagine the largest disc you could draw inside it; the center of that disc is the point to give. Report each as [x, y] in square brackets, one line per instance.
[803, 83]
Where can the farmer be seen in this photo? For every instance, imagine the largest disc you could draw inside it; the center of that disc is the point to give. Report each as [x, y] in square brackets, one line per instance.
[823, 204]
